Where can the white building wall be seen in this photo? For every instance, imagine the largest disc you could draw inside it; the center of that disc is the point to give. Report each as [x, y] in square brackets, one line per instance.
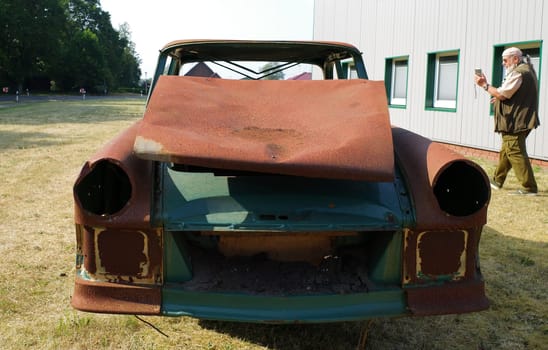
[415, 28]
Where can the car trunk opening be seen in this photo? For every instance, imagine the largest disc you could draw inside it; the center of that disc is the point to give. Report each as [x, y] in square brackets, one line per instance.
[354, 263]
[279, 235]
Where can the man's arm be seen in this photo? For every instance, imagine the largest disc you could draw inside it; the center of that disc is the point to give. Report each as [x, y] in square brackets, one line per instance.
[510, 85]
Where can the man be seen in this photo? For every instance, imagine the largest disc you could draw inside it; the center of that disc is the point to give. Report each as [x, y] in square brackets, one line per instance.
[515, 105]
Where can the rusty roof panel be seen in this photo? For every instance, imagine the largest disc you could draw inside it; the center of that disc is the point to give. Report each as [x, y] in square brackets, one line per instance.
[209, 42]
[328, 129]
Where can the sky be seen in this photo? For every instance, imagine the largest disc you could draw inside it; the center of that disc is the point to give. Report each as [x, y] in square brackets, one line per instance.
[155, 23]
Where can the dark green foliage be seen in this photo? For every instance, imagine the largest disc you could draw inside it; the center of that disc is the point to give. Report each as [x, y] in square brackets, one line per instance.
[69, 42]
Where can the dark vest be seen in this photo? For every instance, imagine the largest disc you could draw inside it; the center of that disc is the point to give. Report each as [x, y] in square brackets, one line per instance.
[519, 113]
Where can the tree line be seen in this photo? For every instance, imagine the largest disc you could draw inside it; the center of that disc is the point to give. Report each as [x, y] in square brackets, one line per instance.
[64, 45]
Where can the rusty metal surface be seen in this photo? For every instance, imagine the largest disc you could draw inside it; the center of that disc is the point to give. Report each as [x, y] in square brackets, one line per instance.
[328, 129]
[122, 248]
[441, 274]
[454, 298]
[434, 258]
[137, 213]
[243, 43]
[118, 255]
[280, 246]
[422, 161]
[116, 298]
[436, 255]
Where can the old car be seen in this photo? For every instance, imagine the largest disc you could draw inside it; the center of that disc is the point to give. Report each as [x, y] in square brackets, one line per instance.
[239, 197]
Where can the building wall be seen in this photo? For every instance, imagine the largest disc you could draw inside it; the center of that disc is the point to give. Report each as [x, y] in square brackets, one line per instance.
[415, 28]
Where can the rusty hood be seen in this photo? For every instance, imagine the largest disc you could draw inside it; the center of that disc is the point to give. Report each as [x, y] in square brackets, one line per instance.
[337, 129]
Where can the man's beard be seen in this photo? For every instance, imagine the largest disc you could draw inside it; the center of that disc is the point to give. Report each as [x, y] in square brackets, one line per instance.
[510, 68]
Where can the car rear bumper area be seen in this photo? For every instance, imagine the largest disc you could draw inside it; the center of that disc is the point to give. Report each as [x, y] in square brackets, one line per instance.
[279, 309]
[453, 298]
[106, 297]
[172, 300]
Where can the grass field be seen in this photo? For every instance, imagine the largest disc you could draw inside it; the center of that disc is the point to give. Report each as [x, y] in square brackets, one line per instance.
[42, 147]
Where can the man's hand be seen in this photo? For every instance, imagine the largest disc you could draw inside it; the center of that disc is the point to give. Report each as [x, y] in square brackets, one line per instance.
[481, 80]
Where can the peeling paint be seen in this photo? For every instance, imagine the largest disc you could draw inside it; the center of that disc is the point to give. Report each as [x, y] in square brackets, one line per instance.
[129, 256]
[143, 145]
[441, 255]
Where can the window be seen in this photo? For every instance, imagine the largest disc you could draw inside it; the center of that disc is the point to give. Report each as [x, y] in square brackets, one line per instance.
[348, 70]
[352, 72]
[395, 78]
[442, 80]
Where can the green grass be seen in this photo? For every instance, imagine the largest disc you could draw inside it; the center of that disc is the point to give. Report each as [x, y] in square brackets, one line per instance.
[43, 146]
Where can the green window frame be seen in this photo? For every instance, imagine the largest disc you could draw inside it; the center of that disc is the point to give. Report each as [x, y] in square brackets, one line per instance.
[396, 75]
[442, 78]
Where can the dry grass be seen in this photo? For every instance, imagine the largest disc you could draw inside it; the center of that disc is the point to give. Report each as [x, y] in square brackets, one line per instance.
[42, 147]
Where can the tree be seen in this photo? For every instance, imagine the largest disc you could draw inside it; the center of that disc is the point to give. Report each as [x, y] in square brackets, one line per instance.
[270, 69]
[69, 41]
[130, 73]
[85, 64]
[29, 35]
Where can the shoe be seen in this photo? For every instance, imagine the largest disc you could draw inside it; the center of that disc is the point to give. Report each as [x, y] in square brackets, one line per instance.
[524, 193]
[494, 185]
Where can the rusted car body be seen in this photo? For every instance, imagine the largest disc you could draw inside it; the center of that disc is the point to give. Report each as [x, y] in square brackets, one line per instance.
[276, 200]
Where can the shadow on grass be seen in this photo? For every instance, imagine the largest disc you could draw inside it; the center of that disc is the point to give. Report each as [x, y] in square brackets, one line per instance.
[515, 271]
[91, 111]
[343, 335]
[23, 140]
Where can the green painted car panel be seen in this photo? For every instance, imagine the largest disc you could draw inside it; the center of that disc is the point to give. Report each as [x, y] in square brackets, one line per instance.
[204, 201]
[246, 308]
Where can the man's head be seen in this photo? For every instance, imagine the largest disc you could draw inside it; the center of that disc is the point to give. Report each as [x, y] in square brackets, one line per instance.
[511, 57]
